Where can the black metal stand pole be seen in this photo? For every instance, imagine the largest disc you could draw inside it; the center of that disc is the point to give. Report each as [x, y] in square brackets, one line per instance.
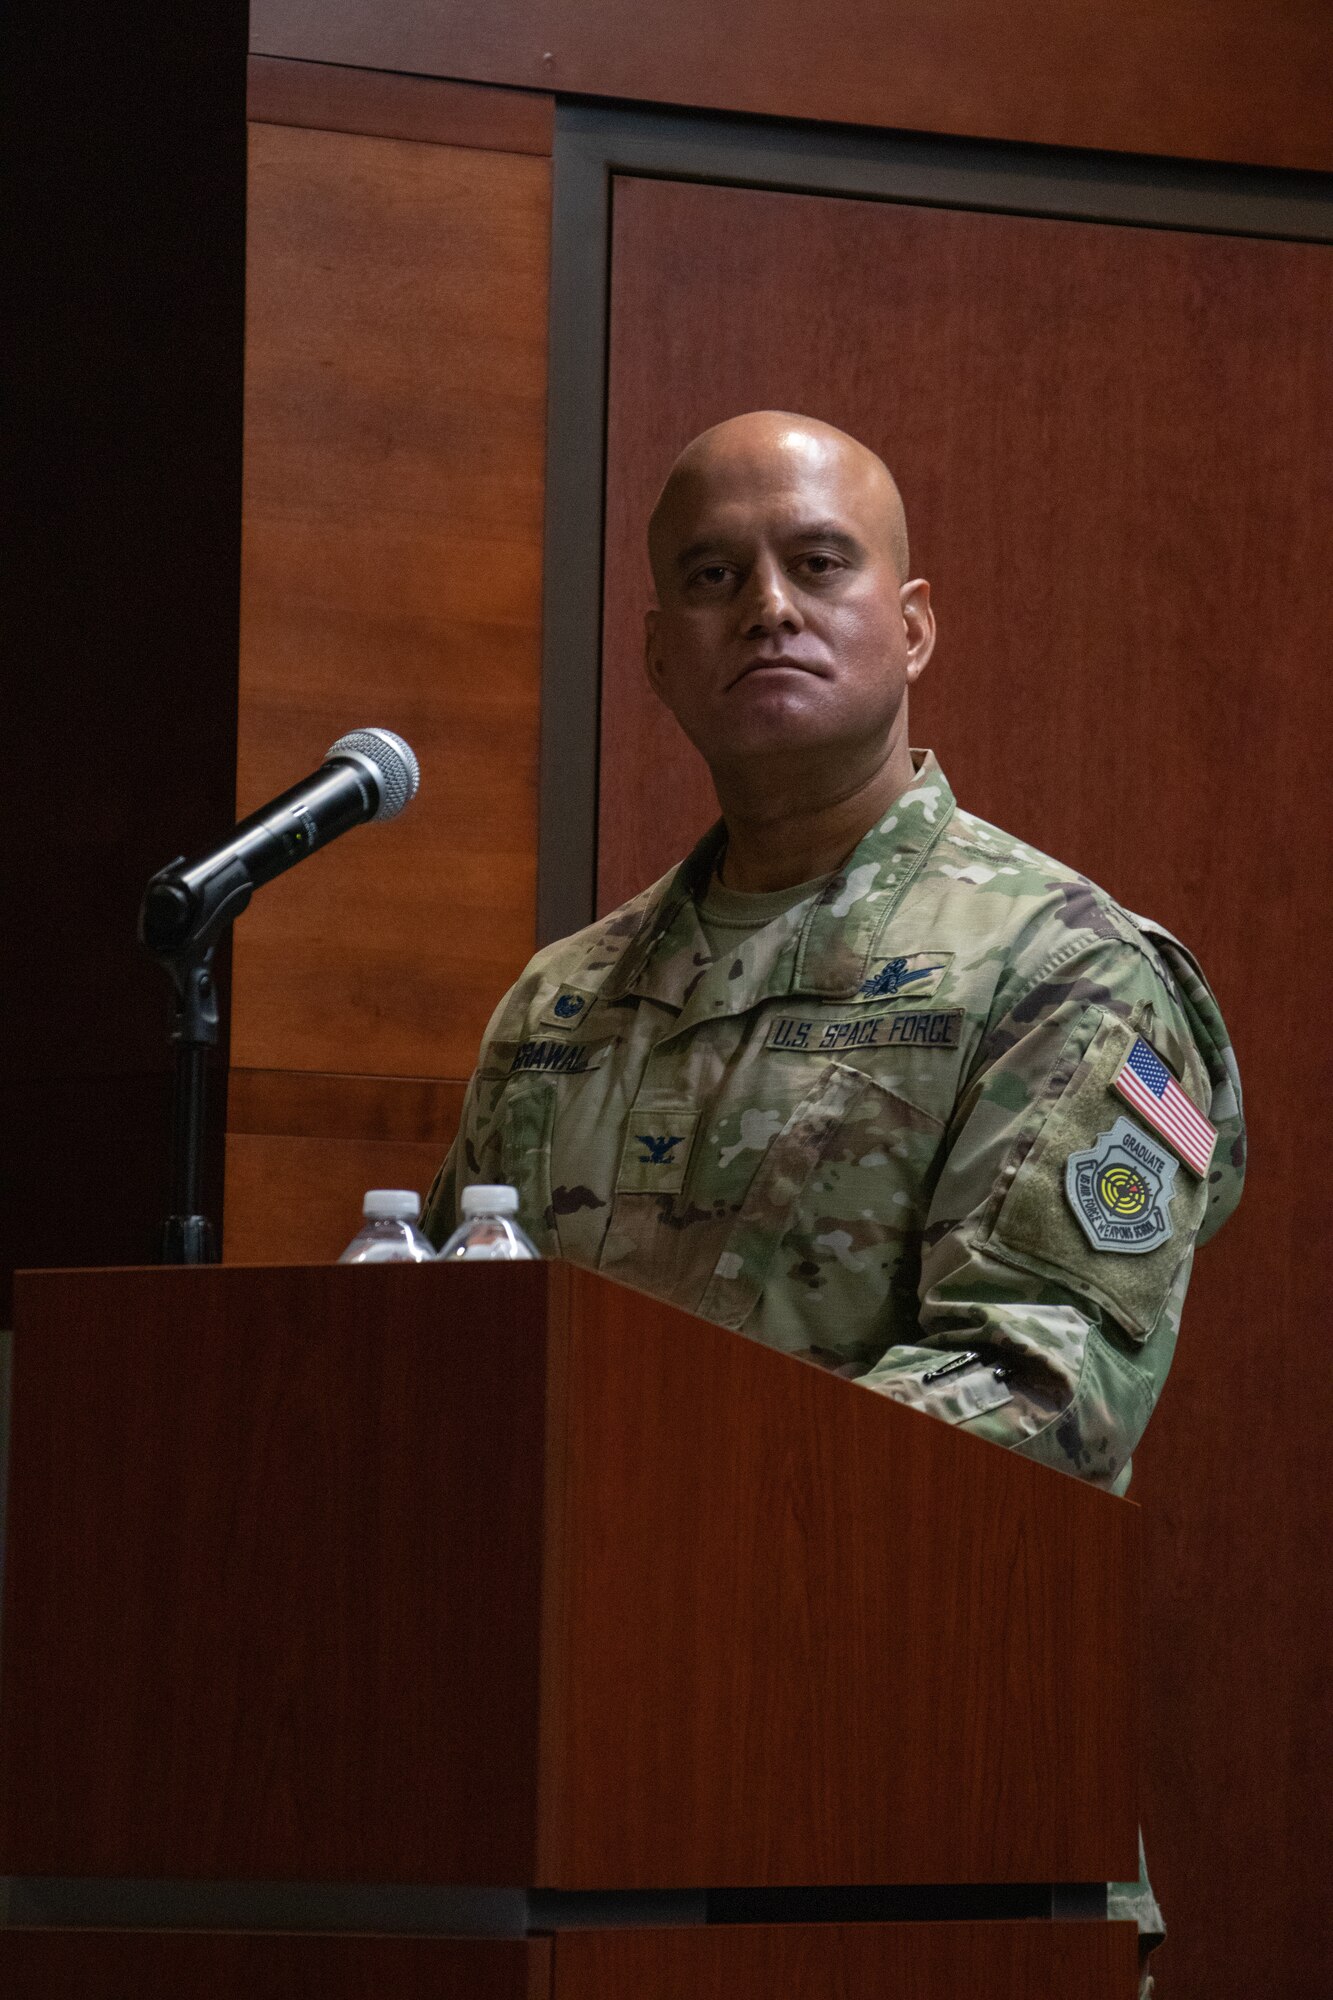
[187, 1236]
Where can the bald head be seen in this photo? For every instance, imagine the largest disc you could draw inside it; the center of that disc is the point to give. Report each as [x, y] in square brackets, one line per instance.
[786, 630]
[773, 447]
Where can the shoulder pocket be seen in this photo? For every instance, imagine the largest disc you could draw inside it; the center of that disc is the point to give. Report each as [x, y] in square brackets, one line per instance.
[1035, 1226]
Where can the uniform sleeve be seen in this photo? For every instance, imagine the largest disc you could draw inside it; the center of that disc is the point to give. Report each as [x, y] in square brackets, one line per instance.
[1041, 1330]
[473, 1155]
[464, 1163]
[441, 1218]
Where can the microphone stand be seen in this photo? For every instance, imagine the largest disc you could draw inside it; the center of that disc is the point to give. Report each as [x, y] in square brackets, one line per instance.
[180, 928]
[367, 774]
[187, 1235]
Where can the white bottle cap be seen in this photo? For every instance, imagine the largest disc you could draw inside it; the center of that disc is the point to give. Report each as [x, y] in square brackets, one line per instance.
[488, 1198]
[400, 1203]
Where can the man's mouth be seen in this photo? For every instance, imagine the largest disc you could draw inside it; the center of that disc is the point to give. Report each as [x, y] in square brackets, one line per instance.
[766, 663]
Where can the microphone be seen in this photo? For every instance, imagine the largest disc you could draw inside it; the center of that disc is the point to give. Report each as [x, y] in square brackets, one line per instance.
[369, 774]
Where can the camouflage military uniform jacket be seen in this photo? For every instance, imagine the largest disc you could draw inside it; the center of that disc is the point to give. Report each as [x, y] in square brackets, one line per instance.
[852, 1137]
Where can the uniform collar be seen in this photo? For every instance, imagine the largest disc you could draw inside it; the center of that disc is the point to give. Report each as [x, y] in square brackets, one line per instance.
[837, 943]
[658, 964]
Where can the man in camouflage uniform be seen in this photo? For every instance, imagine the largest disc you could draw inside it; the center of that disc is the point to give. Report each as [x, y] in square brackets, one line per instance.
[864, 1078]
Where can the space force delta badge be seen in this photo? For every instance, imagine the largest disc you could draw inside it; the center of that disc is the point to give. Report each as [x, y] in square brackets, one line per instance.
[1120, 1190]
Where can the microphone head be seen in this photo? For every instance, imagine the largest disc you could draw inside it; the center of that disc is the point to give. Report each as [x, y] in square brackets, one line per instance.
[393, 761]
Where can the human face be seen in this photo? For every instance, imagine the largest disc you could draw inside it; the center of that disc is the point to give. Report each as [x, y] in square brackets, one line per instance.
[782, 627]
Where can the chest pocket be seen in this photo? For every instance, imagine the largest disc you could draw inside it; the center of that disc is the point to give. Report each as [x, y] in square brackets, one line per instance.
[839, 1124]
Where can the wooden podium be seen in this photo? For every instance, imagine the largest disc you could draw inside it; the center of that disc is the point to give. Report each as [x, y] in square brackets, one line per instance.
[500, 1631]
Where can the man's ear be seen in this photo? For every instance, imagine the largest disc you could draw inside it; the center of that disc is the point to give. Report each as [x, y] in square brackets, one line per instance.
[919, 621]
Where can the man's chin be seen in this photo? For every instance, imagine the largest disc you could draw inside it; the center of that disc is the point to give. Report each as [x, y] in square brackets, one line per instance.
[780, 740]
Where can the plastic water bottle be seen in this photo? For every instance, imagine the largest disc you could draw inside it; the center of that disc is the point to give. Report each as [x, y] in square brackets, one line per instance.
[489, 1228]
[389, 1233]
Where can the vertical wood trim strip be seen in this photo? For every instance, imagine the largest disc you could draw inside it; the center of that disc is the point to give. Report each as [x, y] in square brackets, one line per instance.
[572, 562]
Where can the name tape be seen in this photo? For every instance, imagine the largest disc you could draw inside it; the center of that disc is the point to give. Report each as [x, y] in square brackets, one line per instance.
[558, 1058]
[815, 1034]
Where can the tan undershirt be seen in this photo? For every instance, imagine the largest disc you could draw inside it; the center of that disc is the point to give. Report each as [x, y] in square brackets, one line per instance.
[727, 916]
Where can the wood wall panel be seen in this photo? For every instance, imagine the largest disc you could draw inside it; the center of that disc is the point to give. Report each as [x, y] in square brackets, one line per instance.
[294, 1200]
[908, 1961]
[1116, 447]
[328, 98]
[308, 1105]
[302, 1149]
[395, 434]
[392, 569]
[1209, 79]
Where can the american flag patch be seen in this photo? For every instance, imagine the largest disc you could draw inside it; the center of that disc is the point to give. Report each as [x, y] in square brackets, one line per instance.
[1144, 1081]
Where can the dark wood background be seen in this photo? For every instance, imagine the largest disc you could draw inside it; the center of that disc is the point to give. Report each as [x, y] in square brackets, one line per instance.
[1116, 450]
[1189, 77]
[126, 644]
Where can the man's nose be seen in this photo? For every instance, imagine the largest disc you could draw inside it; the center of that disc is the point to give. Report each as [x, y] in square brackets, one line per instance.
[769, 603]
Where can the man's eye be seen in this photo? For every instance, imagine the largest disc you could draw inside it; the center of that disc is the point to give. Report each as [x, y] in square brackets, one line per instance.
[817, 564]
[711, 573]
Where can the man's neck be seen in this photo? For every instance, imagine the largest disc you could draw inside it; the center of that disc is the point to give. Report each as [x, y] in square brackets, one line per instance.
[777, 837]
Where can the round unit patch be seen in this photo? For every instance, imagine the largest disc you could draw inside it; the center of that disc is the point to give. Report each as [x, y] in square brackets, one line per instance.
[1120, 1190]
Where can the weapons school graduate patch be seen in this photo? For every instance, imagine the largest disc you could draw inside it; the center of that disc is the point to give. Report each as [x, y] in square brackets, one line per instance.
[915, 976]
[1120, 1190]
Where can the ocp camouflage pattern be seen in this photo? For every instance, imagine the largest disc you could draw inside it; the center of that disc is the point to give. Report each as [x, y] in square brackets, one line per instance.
[848, 1137]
